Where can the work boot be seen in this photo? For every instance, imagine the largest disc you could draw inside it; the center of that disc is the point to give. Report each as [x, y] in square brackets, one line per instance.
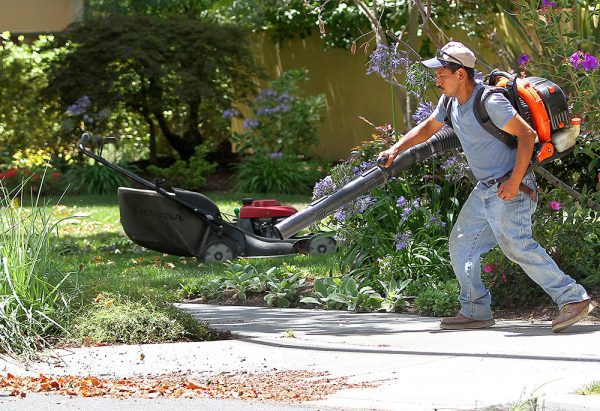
[571, 313]
[462, 322]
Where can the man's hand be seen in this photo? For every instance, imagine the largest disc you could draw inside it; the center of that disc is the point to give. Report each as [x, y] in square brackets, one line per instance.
[509, 189]
[389, 154]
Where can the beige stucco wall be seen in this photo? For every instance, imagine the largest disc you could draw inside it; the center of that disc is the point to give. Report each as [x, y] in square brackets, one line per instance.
[38, 16]
[342, 77]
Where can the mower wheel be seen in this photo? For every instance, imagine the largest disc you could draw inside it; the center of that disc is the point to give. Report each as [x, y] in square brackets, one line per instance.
[219, 250]
[321, 245]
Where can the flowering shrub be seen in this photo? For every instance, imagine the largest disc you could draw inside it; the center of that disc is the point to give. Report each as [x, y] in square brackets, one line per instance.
[397, 232]
[16, 179]
[566, 56]
[283, 121]
[276, 142]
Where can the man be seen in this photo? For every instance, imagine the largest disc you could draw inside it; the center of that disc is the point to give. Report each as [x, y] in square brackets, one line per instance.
[498, 211]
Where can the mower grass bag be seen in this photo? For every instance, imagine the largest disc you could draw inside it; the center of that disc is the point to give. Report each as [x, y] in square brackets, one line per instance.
[160, 224]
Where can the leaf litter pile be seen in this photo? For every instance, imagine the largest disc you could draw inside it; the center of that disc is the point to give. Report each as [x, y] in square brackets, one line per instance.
[282, 386]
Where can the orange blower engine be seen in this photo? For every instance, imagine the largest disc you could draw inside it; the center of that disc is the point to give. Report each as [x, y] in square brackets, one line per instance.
[544, 106]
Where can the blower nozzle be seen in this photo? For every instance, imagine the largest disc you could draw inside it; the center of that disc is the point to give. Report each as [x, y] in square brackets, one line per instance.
[443, 140]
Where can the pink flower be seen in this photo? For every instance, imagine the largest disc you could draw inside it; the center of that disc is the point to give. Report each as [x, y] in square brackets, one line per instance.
[504, 277]
[488, 268]
[555, 205]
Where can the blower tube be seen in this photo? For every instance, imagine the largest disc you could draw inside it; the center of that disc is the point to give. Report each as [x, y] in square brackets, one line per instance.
[443, 140]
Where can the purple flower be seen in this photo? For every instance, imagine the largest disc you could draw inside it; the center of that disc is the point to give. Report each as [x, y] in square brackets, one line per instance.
[402, 240]
[285, 98]
[250, 123]
[363, 203]
[576, 59]
[405, 213]
[548, 3]
[589, 62]
[417, 202]
[401, 202]
[433, 221]
[230, 113]
[339, 238]
[585, 60]
[323, 187]
[340, 215]
[276, 154]
[266, 94]
[79, 107]
[523, 60]
[423, 111]
[386, 61]
[449, 163]
[555, 205]
[455, 169]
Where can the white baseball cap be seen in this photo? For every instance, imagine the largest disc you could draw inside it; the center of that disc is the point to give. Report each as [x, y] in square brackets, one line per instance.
[453, 52]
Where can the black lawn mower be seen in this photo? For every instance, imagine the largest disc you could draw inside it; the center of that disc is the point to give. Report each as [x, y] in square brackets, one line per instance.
[189, 224]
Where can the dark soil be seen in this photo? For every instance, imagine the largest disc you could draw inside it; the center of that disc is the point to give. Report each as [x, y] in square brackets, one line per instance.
[221, 181]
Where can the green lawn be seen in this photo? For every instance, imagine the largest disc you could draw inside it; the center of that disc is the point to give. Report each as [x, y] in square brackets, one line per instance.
[592, 389]
[101, 260]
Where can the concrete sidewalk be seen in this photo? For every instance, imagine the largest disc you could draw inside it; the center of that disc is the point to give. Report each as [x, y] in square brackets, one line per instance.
[412, 364]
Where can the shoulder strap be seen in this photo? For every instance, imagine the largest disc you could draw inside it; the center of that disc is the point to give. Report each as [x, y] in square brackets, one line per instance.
[483, 117]
[447, 102]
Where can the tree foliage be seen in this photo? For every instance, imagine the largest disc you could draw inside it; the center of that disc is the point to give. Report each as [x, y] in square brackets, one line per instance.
[26, 120]
[177, 73]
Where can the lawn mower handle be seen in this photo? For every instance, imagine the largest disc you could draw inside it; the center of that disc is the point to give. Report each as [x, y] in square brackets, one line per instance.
[443, 140]
[148, 184]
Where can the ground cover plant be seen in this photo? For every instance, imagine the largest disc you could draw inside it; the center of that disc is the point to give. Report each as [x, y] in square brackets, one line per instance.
[592, 389]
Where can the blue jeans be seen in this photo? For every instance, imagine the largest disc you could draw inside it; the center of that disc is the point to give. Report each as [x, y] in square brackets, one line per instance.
[486, 221]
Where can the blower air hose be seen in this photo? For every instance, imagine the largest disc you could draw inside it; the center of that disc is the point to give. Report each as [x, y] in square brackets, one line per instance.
[443, 140]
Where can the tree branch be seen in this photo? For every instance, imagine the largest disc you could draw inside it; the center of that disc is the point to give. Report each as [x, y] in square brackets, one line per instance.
[554, 181]
[426, 16]
[371, 15]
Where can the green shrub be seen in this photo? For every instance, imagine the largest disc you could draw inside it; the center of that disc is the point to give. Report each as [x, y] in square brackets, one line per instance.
[94, 179]
[190, 174]
[110, 321]
[440, 299]
[32, 308]
[277, 173]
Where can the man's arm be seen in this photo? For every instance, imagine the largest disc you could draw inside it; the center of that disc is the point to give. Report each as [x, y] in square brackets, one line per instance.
[525, 142]
[416, 135]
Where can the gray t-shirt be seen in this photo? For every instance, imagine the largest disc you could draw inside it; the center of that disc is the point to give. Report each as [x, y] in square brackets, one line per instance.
[488, 157]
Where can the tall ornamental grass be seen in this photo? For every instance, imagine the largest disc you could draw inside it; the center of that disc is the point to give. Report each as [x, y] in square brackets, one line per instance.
[31, 307]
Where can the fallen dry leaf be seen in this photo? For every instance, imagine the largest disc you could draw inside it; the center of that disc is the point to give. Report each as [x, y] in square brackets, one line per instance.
[282, 386]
